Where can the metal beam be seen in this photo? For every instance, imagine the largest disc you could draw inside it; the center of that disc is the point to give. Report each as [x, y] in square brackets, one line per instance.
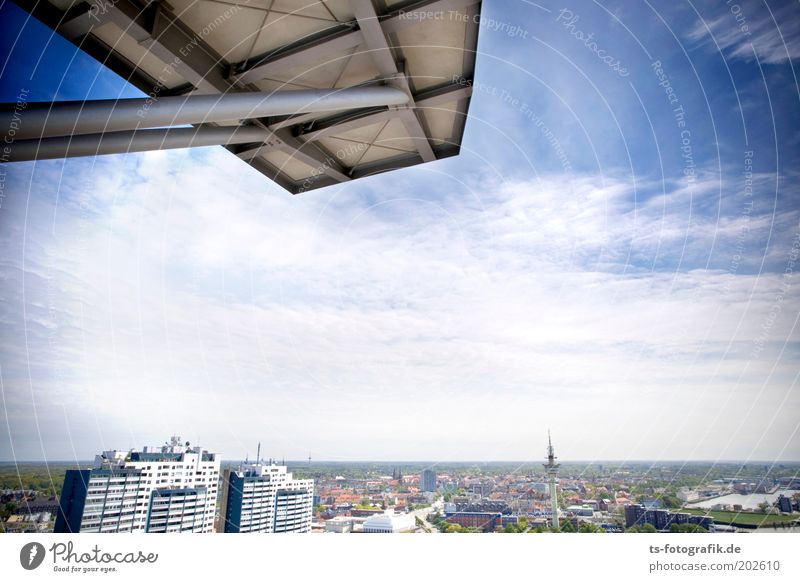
[381, 53]
[417, 133]
[84, 117]
[471, 40]
[402, 17]
[314, 156]
[441, 95]
[271, 172]
[154, 28]
[318, 48]
[375, 42]
[123, 67]
[332, 43]
[442, 151]
[324, 126]
[249, 152]
[78, 21]
[295, 120]
[306, 152]
[120, 142]
[344, 124]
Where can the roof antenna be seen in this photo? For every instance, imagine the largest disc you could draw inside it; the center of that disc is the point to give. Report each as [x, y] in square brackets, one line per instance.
[258, 454]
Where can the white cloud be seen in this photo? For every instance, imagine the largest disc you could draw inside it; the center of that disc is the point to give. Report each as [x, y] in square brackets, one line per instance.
[362, 323]
[745, 29]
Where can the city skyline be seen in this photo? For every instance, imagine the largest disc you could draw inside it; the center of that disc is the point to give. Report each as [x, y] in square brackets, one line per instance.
[179, 487]
[583, 265]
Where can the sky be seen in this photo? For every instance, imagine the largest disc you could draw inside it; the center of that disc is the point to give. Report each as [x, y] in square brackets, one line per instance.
[598, 261]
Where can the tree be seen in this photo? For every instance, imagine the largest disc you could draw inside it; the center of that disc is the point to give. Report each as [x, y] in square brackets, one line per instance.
[445, 527]
[587, 527]
[567, 527]
[671, 501]
[646, 528]
[7, 510]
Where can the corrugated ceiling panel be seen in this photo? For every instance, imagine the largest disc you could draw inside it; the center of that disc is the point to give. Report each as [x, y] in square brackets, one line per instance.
[441, 123]
[433, 51]
[288, 165]
[113, 36]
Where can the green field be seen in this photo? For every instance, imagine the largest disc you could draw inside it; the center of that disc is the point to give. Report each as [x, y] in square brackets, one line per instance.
[44, 479]
[744, 519]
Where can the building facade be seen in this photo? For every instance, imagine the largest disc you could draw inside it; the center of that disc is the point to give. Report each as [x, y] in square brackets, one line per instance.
[264, 498]
[171, 488]
[427, 480]
[486, 521]
[661, 519]
[389, 522]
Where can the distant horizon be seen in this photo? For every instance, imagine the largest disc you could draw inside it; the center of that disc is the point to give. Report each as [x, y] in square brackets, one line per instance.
[467, 462]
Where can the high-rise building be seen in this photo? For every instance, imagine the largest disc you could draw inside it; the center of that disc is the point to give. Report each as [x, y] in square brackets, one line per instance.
[264, 497]
[427, 480]
[551, 467]
[171, 488]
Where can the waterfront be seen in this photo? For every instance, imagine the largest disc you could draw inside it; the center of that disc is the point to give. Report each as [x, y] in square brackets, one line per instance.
[750, 501]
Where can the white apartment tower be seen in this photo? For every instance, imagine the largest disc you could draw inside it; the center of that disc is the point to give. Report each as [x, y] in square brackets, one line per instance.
[264, 497]
[170, 488]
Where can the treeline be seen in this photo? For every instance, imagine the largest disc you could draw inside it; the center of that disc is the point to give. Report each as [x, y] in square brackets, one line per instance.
[43, 479]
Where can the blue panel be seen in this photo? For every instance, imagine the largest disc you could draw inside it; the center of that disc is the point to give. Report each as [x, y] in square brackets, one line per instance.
[233, 513]
[72, 501]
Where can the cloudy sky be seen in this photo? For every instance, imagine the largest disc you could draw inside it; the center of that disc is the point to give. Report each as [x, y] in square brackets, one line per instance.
[586, 264]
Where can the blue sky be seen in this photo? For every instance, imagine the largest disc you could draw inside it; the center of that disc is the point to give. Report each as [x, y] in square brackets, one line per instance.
[562, 272]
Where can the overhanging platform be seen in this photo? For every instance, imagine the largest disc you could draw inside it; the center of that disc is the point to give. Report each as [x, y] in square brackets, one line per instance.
[188, 48]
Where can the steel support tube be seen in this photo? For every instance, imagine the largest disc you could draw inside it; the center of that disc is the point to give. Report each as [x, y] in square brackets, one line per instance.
[132, 141]
[63, 118]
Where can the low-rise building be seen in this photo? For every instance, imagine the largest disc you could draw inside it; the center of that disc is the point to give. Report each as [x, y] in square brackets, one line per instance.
[339, 524]
[662, 520]
[486, 521]
[389, 522]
